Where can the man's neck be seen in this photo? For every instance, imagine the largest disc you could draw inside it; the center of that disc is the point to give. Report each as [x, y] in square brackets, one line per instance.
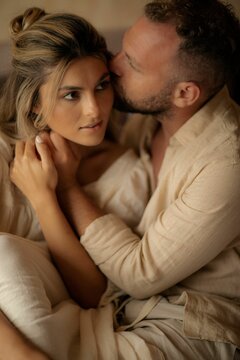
[174, 120]
[171, 124]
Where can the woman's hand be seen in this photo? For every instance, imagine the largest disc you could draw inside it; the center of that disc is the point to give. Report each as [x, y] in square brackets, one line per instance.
[67, 157]
[33, 170]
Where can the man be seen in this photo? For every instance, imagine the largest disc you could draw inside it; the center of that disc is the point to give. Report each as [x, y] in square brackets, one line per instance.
[174, 64]
[180, 264]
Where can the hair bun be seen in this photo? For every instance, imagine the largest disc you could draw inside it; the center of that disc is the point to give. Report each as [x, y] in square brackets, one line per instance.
[23, 22]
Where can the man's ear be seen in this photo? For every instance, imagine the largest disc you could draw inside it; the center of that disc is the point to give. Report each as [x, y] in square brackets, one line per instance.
[186, 94]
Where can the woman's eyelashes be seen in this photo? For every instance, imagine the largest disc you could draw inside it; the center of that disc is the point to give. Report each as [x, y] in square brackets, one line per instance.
[76, 94]
[72, 95]
[104, 84]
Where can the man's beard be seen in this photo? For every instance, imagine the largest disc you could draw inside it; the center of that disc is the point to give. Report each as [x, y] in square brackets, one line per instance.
[158, 105]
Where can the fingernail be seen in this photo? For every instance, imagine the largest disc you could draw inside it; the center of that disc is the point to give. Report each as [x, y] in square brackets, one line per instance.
[38, 139]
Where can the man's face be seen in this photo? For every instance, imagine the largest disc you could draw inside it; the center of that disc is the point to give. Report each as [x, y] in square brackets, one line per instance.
[144, 69]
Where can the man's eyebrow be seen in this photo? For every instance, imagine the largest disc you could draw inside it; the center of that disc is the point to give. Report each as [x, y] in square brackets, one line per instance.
[79, 88]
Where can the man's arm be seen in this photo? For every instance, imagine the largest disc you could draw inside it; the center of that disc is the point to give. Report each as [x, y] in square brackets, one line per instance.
[14, 346]
[202, 222]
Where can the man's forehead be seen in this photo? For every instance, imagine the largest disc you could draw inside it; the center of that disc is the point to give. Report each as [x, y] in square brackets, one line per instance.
[146, 35]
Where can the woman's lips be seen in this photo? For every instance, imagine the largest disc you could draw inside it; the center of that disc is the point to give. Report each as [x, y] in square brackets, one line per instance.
[91, 126]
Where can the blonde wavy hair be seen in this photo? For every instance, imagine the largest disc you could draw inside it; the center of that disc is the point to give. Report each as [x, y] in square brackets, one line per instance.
[43, 46]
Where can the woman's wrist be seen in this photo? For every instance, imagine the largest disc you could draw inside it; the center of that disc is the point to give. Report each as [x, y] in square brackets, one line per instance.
[29, 351]
[43, 199]
[14, 345]
[65, 186]
[34, 354]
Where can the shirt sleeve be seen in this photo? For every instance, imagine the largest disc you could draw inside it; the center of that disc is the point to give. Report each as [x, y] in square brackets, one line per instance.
[201, 222]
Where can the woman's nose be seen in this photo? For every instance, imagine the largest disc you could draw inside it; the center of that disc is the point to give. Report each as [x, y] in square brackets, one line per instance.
[91, 107]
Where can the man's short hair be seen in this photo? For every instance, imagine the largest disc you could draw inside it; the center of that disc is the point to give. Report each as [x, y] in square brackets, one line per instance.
[210, 33]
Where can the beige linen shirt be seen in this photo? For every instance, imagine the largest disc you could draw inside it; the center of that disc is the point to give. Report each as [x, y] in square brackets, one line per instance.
[186, 246]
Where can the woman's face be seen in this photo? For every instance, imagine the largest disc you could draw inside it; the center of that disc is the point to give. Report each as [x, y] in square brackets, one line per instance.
[84, 102]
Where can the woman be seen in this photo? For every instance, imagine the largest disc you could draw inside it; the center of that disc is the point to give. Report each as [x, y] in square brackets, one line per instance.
[60, 81]
[75, 57]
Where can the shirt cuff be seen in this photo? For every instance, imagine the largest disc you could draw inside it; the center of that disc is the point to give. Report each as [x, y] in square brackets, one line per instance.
[101, 238]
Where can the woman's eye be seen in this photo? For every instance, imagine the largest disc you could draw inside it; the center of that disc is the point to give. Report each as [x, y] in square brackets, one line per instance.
[103, 85]
[71, 95]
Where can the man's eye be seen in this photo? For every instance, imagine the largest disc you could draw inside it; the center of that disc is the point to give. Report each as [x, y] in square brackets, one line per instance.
[131, 64]
[71, 95]
[103, 85]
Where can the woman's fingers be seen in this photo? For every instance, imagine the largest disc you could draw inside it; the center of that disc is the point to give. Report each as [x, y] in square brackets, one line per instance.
[59, 142]
[19, 148]
[33, 170]
[66, 149]
[63, 154]
[44, 152]
[29, 150]
[45, 137]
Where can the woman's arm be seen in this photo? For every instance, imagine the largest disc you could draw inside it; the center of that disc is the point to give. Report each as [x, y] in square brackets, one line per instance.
[36, 177]
[14, 346]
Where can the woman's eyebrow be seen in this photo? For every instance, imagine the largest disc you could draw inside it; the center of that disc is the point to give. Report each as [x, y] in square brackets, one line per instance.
[70, 87]
[105, 75]
[79, 88]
